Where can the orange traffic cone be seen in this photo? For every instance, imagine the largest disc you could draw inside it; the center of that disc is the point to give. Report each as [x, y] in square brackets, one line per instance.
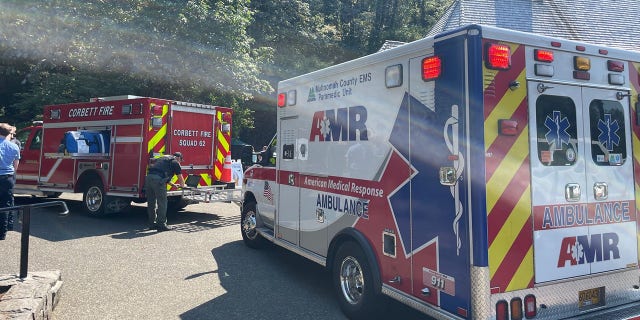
[226, 171]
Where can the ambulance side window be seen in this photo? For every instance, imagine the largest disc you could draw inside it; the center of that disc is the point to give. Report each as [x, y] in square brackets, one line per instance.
[608, 144]
[557, 130]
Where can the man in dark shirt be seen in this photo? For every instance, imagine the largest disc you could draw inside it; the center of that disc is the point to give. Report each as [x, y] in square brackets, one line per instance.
[159, 175]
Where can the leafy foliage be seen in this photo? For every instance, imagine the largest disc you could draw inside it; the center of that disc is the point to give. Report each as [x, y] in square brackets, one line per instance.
[225, 52]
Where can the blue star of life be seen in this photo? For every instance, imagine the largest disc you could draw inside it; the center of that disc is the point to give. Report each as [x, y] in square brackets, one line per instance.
[608, 132]
[557, 130]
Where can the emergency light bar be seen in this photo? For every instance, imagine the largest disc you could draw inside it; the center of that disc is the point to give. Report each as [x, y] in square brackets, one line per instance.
[498, 56]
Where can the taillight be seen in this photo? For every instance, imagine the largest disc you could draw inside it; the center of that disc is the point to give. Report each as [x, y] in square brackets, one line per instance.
[431, 68]
[282, 99]
[516, 309]
[543, 55]
[502, 310]
[530, 306]
[498, 56]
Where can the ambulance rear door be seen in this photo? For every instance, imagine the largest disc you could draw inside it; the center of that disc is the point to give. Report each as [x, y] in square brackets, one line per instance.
[582, 180]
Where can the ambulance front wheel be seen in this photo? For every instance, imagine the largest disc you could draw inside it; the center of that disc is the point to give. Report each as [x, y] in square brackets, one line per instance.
[93, 199]
[250, 235]
[353, 282]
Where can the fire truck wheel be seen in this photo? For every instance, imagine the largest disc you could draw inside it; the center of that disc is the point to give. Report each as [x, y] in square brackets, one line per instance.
[93, 199]
[353, 282]
[174, 204]
[250, 235]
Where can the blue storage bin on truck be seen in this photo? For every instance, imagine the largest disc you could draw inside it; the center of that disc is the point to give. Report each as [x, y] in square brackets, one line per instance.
[86, 141]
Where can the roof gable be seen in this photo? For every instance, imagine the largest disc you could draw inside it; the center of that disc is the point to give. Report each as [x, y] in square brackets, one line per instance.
[606, 22]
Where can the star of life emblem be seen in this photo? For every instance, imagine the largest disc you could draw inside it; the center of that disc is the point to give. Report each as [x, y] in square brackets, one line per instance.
[557, 134]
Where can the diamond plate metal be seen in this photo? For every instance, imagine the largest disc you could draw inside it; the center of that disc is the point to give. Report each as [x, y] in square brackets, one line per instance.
[559, 300]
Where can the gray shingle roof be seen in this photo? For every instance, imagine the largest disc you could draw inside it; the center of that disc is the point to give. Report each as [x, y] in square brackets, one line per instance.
[612, 23]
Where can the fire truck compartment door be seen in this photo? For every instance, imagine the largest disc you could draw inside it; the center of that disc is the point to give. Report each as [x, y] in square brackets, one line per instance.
[582, 181]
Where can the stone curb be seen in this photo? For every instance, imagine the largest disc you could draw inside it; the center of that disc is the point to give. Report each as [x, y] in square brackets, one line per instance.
[32, 298]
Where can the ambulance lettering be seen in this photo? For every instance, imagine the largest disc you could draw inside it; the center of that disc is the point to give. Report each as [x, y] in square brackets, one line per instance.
[348, 205]
[342, 124]
[563, 216]
[582, 249]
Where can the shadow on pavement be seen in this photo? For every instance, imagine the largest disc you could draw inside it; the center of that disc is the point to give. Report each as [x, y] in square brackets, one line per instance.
[47, 224]
[242, 271]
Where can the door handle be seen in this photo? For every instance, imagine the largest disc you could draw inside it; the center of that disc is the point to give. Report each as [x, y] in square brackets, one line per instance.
[572, 192]
[542, 87]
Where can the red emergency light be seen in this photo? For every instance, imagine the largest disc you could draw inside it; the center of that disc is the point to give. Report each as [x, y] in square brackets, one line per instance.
[282, 99]
[226, 117]
[498, 56]
[431, 68]
[156, 111]
[543, 55]
[613, 65]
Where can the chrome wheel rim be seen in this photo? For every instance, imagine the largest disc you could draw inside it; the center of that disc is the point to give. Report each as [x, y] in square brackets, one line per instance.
[249, 225]
[94, 199]
[351, 280]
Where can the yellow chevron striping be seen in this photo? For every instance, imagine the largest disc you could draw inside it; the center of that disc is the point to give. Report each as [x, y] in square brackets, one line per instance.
[524, 274]
[223, 141]
[509, 231]
[504, 110]
[506, 170]
[206, 178]
[157, 137]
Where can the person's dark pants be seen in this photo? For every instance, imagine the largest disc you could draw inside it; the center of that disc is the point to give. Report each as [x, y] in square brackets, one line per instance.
[156, 191]
[6, 200]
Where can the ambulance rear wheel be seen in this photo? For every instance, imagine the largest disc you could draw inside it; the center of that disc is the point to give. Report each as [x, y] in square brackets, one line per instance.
[353, 282]
[93, 199]
[250, 235]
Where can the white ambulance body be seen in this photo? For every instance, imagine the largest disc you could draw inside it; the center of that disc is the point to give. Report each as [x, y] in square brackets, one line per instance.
[479, 174]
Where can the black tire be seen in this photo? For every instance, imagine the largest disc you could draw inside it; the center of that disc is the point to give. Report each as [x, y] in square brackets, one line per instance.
[353, 282]
[250, 235]
[93, 199]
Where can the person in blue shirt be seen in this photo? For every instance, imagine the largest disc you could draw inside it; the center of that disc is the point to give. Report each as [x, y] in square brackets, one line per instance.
[9, 160]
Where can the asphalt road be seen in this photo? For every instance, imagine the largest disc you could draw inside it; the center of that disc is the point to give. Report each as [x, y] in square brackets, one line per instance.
[113, 269]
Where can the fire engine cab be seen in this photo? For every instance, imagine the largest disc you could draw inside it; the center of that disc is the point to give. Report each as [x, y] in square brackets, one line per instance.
[482, 173]
[102, 149]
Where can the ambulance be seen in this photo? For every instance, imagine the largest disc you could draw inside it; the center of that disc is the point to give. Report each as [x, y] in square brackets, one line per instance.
[102, 149]
[482, 173]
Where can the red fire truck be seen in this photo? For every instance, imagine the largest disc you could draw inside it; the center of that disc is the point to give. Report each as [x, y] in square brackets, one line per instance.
[102, 149]
[478, 174]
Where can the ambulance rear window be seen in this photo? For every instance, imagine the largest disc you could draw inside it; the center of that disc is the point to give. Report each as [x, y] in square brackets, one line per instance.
[608, 144]
[557, 134]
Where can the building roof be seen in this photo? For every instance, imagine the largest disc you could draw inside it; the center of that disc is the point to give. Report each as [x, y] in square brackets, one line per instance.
[611, 23]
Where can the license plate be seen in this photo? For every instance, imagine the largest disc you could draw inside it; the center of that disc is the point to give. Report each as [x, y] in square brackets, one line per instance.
[591, 298]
